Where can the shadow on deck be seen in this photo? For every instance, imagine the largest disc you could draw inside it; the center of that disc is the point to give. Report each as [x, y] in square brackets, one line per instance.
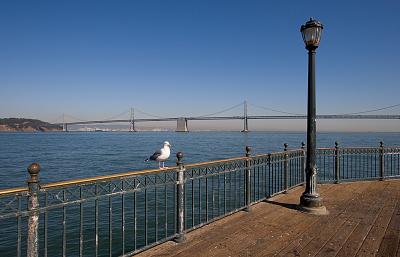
[364, 220]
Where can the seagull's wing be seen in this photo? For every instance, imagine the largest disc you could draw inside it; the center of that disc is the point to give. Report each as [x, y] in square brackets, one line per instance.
[155, 155]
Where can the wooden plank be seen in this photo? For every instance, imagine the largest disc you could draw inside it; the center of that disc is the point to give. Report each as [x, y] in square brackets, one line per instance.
[359, 212]
[356, 239]
[390, 241]
[332, 247]
[254, 223]
[222, 229]
[371, 243]
[339, 204]
[276, 239]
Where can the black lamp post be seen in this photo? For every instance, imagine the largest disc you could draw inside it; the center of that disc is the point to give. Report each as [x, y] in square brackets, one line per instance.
[310, 200]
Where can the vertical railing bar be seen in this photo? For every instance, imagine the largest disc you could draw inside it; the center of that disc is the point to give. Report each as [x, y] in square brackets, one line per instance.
[364, 165]
[145, 211]
[324, 161]
[192, 198]
[237, 186]
[270, 182]
[258, 183]
[224, 192]
[80, 223]
[370, 161]
[199, 200]
[252, 187]
[96, 221]
[218, 195]
[175, 192]
[228, 198]
[185, 225]
[398, 162]
[391, 165]
[262, 180]
[134, 215]
[206, 195]
[348, 174]
[233, 193]
[247, 178]
[345, 163]
[266, 177]
[280, 173]
[19, 226]
[360, 174]
[337, 163]
[110, 220]
[382, 162]
[156, 207]
[232, 188]
[351, 164]
[46, 223]
[165, 206]
[212, 196]
[285, 169]
[64, 240]
[123, 215]
[303, 162]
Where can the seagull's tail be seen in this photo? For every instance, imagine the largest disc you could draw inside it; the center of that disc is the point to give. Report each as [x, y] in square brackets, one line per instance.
[146, 160]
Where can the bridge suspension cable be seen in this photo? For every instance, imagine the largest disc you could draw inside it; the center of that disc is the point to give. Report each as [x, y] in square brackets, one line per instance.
[219, 112]
[57, 120]
[118, 115]
[148, 114]
[73, 118]
[373, 110]
[274, 110]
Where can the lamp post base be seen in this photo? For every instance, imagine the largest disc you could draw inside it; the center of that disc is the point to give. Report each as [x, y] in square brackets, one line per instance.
[179, 239]
[312, 204]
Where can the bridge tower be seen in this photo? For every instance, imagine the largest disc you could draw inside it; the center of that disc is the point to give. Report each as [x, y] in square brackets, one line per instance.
[245, 120]
[181, 125]
[65, 126]
[132, 121]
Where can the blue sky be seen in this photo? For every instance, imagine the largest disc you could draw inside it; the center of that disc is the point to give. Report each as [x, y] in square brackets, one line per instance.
[95, 59]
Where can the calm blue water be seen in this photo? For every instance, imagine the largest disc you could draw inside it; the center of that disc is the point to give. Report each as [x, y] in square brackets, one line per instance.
[77, 155]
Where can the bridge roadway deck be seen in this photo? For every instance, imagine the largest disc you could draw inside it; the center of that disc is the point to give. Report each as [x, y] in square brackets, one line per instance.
[364, 220]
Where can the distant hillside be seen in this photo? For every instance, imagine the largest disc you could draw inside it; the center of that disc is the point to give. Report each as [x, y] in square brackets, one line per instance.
[27, 125]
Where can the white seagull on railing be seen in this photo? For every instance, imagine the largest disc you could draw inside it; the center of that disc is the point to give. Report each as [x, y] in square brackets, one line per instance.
[161, 155]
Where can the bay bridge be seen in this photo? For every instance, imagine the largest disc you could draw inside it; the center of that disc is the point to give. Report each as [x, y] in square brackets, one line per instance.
[182, 122]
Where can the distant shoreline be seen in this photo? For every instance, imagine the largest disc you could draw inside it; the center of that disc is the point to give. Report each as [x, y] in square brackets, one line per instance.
[27, 125]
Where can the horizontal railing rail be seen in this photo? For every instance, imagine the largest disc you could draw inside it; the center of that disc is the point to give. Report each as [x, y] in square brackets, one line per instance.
[123, 214]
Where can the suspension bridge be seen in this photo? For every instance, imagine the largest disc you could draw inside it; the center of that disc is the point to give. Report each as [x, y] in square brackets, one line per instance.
[182, 122]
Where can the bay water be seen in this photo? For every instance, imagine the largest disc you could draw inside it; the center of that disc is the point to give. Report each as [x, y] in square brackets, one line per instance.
[74, 155]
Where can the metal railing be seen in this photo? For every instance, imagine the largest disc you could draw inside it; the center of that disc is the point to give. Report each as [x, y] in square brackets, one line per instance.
[122, 214]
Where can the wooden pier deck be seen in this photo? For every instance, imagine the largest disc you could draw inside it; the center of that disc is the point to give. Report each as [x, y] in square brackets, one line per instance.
[363, 220]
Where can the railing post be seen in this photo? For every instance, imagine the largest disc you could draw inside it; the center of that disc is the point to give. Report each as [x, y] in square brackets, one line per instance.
[286, 169]
[180, 198]
[304, 162]
[337, 163]
[382, 162]
[247, 179]
[33, 211]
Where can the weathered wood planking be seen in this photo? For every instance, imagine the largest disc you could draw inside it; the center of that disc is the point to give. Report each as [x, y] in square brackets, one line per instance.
[364, 220]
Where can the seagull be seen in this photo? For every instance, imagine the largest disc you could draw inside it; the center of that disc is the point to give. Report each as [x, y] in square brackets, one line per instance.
[161, 155]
